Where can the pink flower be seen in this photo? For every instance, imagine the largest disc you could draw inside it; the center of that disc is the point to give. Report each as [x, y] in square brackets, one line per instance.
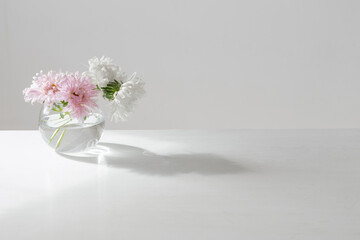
[80, 93]
[44, 88]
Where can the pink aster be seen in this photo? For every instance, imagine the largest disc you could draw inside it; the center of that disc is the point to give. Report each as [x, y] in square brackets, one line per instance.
[80, 93]
[44, 88]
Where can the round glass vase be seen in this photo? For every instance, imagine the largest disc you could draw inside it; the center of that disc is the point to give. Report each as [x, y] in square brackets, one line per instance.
[68, 135]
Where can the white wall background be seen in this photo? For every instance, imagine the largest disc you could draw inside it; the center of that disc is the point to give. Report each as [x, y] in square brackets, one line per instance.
[207, 64]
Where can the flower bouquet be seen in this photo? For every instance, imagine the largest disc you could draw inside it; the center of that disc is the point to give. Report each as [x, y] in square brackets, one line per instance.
[71, 120]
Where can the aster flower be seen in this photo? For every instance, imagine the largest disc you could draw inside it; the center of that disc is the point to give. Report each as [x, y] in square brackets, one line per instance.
[122, 92]
[103, 70]
[79, 94]
[44, 88]
[126, 98]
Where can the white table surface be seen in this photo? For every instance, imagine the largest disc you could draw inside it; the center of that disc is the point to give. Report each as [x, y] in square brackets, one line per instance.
[175, 184]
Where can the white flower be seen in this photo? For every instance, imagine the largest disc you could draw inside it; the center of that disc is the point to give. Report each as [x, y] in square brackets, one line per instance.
[126, 98]
[103, 70]
[105, 73]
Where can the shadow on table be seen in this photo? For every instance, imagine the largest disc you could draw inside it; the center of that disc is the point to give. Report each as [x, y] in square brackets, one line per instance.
[145, 162]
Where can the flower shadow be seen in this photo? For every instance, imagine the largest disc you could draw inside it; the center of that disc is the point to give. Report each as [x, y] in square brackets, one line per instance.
[142, 161]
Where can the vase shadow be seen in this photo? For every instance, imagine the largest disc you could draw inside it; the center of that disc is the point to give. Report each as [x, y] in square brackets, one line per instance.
[142, 161]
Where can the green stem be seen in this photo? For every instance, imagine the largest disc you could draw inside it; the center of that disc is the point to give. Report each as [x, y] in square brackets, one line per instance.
[56, 131]
[61, 137]
[54, 134]
[60, 121]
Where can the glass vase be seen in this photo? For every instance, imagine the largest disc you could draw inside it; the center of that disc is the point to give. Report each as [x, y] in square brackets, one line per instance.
[70, 136]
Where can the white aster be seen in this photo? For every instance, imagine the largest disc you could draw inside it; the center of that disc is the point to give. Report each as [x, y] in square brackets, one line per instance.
[126, 98]
[103, 70]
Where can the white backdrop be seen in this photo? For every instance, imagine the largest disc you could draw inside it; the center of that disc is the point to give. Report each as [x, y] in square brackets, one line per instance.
[207, 64]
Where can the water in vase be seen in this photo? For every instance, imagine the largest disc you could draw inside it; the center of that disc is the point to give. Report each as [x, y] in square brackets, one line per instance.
[71, 136]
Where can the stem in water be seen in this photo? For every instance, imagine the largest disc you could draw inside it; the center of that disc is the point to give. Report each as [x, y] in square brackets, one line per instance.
[54, 134]
[58, 129]
[61, 137]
